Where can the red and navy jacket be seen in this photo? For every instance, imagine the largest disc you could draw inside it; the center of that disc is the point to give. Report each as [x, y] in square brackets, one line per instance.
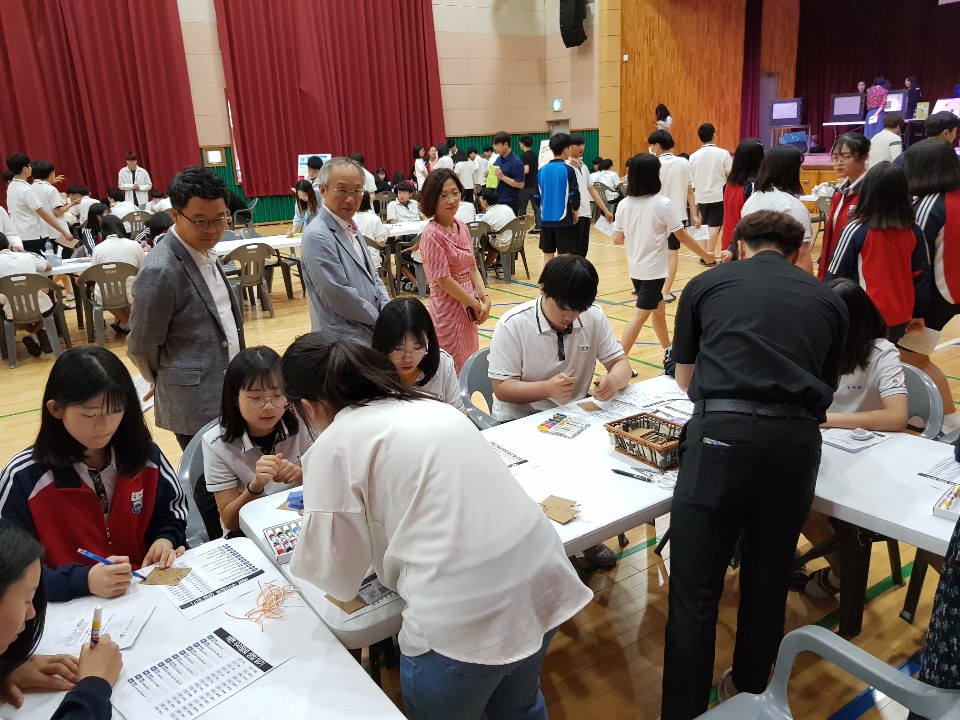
[843, 206]
[892, 266]
[64, 514]
[734, 198]
[938, 215]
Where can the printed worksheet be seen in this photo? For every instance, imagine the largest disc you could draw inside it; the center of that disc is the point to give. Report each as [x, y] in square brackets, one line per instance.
[218, 574]
[510, 459]
[190, 681]
[68, 634]
[604, 412]
[947, 471]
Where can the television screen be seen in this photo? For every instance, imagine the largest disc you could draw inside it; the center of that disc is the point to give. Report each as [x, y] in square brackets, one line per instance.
[786, 112]
[847, 107]
[896, 101]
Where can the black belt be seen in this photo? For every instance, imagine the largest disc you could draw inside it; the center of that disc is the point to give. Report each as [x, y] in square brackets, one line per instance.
[748, 407]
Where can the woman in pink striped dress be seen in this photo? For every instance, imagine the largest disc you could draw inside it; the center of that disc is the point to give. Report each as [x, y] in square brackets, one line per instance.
[458, 300]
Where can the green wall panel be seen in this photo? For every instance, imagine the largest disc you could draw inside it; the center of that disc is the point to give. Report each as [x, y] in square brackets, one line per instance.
[590, 150]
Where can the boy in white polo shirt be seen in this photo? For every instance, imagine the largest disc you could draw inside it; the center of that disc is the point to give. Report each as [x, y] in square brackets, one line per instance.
[544, 352]
[709, 167]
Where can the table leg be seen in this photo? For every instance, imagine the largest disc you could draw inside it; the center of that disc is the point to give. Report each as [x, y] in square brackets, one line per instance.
[375, 653]
[855, 567]
[77, 300]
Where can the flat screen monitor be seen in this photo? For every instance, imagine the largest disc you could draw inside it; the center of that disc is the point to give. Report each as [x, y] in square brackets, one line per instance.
[948, 104]
[847, 107]
[787, 112]
[896, 101]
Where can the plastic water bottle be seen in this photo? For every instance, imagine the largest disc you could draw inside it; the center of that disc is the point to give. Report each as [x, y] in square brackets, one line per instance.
[48, 249]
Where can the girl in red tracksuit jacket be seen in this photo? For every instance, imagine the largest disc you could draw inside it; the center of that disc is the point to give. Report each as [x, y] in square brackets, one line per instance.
[849, 158]
[94, 479]
[883, 250]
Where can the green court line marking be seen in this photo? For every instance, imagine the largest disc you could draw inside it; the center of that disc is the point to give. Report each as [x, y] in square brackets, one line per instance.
[648, 364]
[828, 621]
[22, 412]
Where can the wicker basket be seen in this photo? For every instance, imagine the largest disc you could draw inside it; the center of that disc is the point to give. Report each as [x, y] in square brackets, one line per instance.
[647, 438]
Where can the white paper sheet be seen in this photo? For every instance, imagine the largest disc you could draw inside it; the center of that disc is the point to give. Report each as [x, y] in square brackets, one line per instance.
[946, 471]
[143, 387]
[610, 411]
[68, 634]
[186, 683]
[843, 439]
[921, 341]
[603, 225]
[218, 574]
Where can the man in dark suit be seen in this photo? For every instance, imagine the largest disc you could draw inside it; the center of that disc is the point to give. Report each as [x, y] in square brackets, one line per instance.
[186, 323]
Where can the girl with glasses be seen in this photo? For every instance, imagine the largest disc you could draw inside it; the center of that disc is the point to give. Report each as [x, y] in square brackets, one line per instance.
[256, 448]
[849, 157]
[404, 333]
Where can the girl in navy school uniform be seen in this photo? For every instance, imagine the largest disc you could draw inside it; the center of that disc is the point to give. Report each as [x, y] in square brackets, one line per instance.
[255, 450]
[94, 479]
[90, 234]
[23, 605]
[746, 164]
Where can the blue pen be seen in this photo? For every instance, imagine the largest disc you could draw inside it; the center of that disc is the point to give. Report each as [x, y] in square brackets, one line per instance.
[92, 556]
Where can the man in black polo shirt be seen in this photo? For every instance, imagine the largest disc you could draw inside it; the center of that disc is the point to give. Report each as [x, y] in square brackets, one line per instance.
[531, 164]
[757, 346]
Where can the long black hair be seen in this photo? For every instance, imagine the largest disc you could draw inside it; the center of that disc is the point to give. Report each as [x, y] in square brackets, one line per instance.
[643, 176]
[866, 325]
[884, 198]
[662, 112]
[258, 365]
[20, 551]
[94, 215]
[780, 170]
[932, 167]
[79, 375]
[746, 162]
[408, 315]
[340, 374]
[112, 225]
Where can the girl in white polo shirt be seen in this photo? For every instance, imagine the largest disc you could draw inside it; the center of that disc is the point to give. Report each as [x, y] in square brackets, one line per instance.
[256, 448]
[643, 223]
[407, 485]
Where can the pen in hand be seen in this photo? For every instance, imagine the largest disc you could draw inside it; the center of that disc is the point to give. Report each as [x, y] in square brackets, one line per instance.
[94, 556]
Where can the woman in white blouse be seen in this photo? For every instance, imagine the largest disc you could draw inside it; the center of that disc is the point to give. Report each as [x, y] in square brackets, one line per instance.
[419, 165]
[664, 121]
[406, 484]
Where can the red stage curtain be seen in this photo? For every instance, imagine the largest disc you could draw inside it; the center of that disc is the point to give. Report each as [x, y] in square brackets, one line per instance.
[841, 43]
[750, 88]
[338, 76]
[87, 81]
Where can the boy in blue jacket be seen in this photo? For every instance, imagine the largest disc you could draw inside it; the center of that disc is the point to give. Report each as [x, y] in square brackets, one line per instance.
[559, 198]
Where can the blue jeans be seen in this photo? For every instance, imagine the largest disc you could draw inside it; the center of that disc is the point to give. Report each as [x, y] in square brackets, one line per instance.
[438, 688]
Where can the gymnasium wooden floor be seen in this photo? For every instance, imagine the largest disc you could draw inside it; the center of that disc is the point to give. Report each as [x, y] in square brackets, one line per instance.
[607, 661]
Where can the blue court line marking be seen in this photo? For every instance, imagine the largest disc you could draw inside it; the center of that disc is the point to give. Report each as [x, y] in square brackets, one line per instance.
[863, 702]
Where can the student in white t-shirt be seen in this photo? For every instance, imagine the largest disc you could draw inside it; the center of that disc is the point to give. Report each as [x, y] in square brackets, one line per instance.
[33, 222]
[51, 198]
[419, 165]
[9, 230]
[158, 202]
[497, 216]
[609, 178]
[117, 247]
[872, 395]
[709, 167]
[15, 263]
[118, 206]
[443, 158]
[482, 165]
[404, 332]
[465, 170]
[777, 188]
[404, 208]
[887, 145]
[79, 196]
[644, 221]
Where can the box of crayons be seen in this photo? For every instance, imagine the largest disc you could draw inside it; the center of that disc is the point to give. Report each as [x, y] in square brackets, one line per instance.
[282, 539]
[948, 506]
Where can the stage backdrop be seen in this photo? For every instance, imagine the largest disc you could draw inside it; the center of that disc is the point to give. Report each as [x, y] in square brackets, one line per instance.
[341, 75]
[87, 81]
[841, 43]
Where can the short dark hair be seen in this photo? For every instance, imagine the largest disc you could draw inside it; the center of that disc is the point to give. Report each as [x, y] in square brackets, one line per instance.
[358, 158]
[404, 187]
[893, 120]
[661, 138]
[768, 228]
[866, 325]
[606, 164]
[643, 176]
[490, 195]
[559, 143]
[131, 156]
[884, 199]
[339, 373]
[4, 243]
[112, 225]
[115, 194]
[156, 193]
[73, 190]
[528, 140]
[577, 139]
[489, 148]
[706, 132]
[442, 149]
[451, 143]
[79, 375]
[857, 143]
[258, 364]
[935, 124]
[158, 224]
[472, 150]
[196, 182]
[407, 315]
[932, 167]
[17, 162]
[20, 551]
[500, 138]
[570, 281]
[433, 186]
[780, 170]
[597, 161]
[42, 169]
[746, 162]
[416, 151]
[314, 162]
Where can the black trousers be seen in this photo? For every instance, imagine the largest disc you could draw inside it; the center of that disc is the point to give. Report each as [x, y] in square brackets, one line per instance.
[204, 499]
[759, 484]
[526, 196]
[583, 236]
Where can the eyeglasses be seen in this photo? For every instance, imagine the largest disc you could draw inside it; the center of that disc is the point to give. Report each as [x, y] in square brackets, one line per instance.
[259, 402]
[452, 196]
[344, 191]
[205, 223]
[401, 352]
[841, 157]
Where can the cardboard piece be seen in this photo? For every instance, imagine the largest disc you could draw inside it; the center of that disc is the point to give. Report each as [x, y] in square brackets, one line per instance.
[350, 606]
[560, 509]
[168, 576]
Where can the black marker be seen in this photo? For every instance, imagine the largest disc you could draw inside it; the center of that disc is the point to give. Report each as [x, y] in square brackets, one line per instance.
[635, 476]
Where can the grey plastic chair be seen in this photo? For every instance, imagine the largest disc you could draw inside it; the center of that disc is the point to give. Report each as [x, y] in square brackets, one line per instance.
[384, 198]
[923, 401]
[252, 261]
[24, 309]
[475, 378]
[386, 266]
[418, 270]
[478, 231]
[772, 704]
[517, 226]
[135, 222]
[190, 473]
[245, 216]
[111, 279]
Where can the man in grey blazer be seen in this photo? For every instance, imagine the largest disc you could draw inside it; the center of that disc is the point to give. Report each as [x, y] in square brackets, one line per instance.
[343, 288]
[186, 323]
